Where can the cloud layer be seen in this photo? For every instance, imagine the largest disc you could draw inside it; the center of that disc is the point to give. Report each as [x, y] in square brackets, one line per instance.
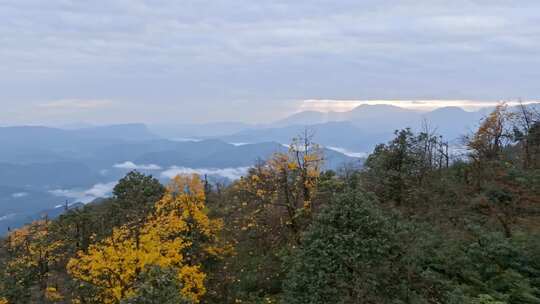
[348, 152]
[230, 173]
[128, 165]
[251, 60]
[19, 194]
[86, 195]
[328, 105]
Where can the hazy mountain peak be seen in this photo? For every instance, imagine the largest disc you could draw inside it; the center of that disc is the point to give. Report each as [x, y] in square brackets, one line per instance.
[377, 106]
[304, 118]
[450, 109]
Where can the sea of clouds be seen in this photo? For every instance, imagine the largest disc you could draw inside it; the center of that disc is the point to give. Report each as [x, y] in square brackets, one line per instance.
[101, 190]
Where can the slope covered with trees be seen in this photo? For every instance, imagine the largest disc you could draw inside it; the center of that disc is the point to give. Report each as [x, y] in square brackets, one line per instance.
[416, 224]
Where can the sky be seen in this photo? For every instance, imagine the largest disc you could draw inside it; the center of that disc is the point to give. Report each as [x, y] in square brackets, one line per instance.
[169, 61]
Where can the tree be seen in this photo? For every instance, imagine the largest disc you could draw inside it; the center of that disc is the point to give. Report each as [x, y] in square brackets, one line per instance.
[280, 191]
[486, 267]
[307, 160]
[394, 171]
[496, 177]
[533, 144]
[179, 236]
[157, 285]
[134, 197]
[266, 211]
[34, 256]
[526, 124]
[391, 165]
[494, 133]
[352, 253]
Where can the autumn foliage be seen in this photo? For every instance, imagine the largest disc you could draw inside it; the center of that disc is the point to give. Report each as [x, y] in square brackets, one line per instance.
[415, 223]
[179, 235]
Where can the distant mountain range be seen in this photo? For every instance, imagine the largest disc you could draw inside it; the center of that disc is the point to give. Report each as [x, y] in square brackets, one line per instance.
[358, 130]
[188, 131]
[365, 126]
[42, 167]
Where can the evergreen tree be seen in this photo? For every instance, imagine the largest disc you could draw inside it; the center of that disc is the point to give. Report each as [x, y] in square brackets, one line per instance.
[352, 253]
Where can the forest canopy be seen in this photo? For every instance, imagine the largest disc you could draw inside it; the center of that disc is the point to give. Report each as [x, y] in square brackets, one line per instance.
[417, 223]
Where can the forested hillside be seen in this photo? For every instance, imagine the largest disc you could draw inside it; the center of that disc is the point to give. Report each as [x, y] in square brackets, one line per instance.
[419, 223]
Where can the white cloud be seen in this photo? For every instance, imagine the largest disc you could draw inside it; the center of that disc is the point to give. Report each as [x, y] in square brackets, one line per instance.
[184, 139]
[138, 52]
[88, 195]
[230, 173]
[238, 144]
[128, 165]
[7, 217]
[19, 194]
[348, 152]
[328, 105]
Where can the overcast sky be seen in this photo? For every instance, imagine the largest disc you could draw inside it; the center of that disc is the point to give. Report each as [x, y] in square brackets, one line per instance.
[106, 61]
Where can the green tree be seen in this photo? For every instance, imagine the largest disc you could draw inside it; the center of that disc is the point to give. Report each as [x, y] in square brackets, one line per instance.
[157, 285]
[135, 196]
[394, 171]
[352, 253]
[487, 268]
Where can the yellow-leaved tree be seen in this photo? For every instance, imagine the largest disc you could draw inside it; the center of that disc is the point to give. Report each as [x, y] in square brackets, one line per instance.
[493, 134]
[281, 190]
[179, 235]
[34, 252]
